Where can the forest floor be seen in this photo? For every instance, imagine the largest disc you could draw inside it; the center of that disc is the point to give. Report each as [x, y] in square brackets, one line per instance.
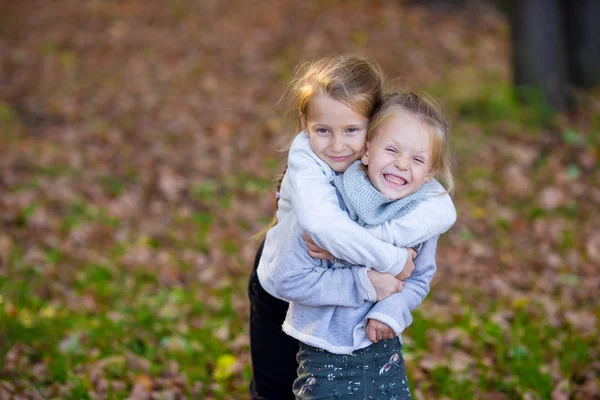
[138, 151]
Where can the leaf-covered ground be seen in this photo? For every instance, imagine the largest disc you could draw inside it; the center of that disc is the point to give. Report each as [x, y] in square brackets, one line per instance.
[137, 157]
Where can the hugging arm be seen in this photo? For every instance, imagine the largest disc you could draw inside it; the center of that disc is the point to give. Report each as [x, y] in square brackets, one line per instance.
[305, 280]
[433, 216]
[395, 310]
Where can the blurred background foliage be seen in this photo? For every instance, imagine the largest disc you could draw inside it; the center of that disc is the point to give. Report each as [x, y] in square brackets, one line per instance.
[138, 154]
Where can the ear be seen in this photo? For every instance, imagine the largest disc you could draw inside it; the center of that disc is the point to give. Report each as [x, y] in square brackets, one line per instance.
[364, 158]
[303, 122]
[429, 175]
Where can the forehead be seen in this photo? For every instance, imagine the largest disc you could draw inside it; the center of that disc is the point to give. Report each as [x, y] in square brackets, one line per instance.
[406, 129]
[324, 108]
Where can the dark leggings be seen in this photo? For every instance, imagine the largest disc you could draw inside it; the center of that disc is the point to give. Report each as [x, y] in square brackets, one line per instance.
[273, 352]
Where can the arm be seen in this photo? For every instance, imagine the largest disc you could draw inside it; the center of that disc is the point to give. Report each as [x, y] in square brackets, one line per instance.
[303, 279]
[316, 204]
[394, 311]
[432, 217]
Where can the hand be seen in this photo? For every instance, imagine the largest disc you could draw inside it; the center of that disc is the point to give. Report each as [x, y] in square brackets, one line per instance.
[315, 251]
[409, 267]
[377, 330]
[385, 284]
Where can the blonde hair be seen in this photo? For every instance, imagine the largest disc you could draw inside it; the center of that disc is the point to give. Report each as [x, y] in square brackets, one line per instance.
[350, 79]
[429, 112]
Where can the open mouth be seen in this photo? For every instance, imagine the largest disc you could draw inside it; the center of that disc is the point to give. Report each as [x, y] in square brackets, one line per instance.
[396, 180]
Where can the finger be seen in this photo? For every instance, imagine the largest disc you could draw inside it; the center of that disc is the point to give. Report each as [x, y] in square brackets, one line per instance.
[316, 254]
[375, 335]
[399, 287]
[314, 249]
[371, 336]
[311, 245]
[307, 238]
[412, 252]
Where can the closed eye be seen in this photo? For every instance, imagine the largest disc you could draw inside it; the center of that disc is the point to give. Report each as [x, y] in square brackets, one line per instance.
[391, 150]
[419, 160]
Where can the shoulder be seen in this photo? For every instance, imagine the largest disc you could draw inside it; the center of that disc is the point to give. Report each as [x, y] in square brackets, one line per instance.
[301, 142]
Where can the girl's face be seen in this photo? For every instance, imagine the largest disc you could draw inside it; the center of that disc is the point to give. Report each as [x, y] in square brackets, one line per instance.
[398, 158]
[337, 133]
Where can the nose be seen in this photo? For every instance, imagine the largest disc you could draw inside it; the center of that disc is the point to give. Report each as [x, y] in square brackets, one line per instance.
[337, 144]
[402, 163]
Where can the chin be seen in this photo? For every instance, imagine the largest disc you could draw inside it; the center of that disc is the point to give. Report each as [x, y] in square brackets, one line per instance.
[398, 195]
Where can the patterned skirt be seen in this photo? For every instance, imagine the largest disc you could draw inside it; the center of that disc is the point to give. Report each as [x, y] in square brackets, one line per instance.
[373, 373]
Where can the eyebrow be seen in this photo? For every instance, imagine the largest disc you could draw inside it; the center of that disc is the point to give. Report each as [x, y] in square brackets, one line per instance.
[344, 126]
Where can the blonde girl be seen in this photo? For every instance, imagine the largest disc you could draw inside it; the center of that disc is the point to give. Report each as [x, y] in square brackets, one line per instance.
[346, 345]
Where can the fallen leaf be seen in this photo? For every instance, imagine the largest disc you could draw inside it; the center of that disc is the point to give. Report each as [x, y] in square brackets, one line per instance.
[142, 386]
[460, 361]
[225, 367]
[562, 391]
[429, 363]
[592, 247]
[517, 181]
[551, 197]
[170, 183]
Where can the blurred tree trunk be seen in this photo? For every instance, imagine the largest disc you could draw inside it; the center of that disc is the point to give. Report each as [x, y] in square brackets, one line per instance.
[540, 49]
[583, 33]
[556, 45]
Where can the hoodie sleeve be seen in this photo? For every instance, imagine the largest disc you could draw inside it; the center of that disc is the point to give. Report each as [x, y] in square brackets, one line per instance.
[432, 217]
[305, 280]
[395, 310]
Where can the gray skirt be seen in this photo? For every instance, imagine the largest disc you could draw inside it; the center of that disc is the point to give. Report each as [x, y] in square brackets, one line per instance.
[373, 373]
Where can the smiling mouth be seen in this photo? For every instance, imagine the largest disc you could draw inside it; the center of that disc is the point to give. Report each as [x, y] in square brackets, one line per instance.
[339, 158]
[396, 180]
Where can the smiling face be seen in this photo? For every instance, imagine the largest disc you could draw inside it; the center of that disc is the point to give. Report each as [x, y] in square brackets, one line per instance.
[337, 133]
[398, 158]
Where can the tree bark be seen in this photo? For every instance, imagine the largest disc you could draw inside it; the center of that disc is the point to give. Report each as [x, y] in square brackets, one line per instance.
[539, 49]
[583, 33]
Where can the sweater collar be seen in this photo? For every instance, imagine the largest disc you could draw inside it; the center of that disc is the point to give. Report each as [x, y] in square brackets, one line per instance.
[366, 205]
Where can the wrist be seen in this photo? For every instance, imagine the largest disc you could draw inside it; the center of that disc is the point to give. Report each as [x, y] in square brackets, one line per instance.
[370, 293]
[398, 267]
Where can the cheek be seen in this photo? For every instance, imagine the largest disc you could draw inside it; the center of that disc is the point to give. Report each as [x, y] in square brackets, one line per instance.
[318, 144]
[423, 173]
[357, 144]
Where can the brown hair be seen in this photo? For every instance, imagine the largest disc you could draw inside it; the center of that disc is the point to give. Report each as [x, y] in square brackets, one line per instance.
[430, 113]
[350, 79]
